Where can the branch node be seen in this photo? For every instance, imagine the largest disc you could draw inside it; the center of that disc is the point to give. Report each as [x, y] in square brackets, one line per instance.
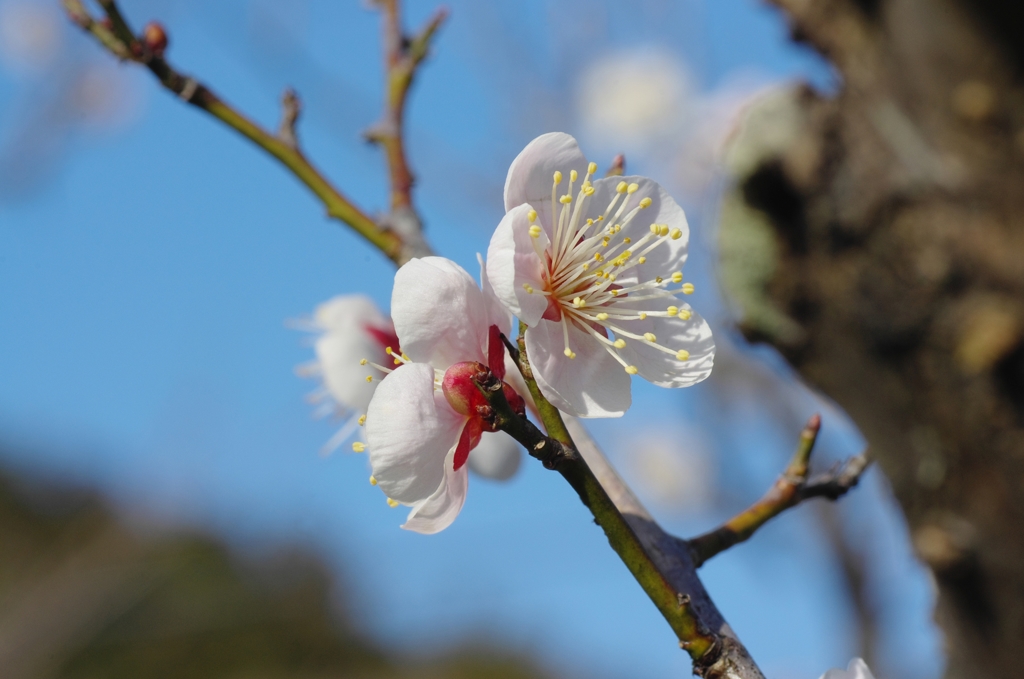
[291, 109]
[189, 89]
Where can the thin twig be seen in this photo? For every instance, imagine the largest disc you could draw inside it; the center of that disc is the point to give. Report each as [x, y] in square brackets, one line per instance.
[402, 55]
[792, 488]
[118, 40]
[291, 109]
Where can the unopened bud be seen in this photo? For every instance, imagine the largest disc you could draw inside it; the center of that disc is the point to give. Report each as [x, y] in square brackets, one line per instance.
[460, 390]
[155, 38]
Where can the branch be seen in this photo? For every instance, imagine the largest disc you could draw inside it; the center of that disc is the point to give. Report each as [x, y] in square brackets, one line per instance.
[402, 55]
[560, 454]
[792, 488]
[119, 39]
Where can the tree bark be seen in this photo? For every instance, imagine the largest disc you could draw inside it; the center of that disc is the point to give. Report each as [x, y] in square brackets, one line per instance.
[876, 238]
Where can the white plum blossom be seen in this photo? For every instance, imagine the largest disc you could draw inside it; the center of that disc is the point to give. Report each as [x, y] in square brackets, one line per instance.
[353, 332]
[593, 267]
[427, 415]
[351, 329]
[857, 669]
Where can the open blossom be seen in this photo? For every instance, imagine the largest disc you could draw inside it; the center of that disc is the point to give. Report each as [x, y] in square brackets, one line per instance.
[352, 330]
[594, 268]
[857, 669]
[427, 415]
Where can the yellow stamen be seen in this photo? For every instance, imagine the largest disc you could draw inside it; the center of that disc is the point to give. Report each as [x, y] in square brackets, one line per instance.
[535, 231]
[373, 480]
[649, 336]
[676, 234]
[532, 216]
[573, 175]
[682, 355]
[362, 420]
[644, 202]
[677, 277]
[363, 361]
[392, 503]
[369, 378]
[685, 314]
[558, 177]
[619, 343]
[621, 187]
[632, 188]
[687, 288]
[359, 447]
[672, 310]
[565, 200]
[631, 369]
[592, 168]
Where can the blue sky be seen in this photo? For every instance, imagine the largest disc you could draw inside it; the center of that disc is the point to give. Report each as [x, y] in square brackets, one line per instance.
[146, 277]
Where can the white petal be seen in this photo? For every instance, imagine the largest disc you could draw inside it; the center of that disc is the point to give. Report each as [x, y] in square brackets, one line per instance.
[512, 263]
[439, 510]
[857, 669]
[344, 343]
[496, 457]
[667, 257]
[497, 314]
[530, 177]
[439, 312]
[660, 368]
[410, 430]
[591, 385]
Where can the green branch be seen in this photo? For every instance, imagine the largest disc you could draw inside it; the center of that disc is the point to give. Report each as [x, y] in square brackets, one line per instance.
[792, 488]
[119, 39]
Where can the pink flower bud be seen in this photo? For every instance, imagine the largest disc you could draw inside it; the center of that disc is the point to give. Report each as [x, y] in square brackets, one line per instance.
[461, 391]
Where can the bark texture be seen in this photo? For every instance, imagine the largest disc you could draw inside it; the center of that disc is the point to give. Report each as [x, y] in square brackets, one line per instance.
[876, 238]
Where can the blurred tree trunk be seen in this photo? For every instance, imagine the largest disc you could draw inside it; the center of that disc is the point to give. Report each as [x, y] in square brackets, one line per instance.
[889, 270]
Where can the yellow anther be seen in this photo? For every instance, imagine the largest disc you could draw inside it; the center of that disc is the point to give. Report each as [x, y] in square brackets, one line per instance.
[373, 480]
[682, 355]
[621, 187]
[611, 277]
[535, 231]
[398, 361]
[359, 447]
[687, 288]
[658, 279]
[663, 230]
[644, 202]
[672, 310]
[392, 503]
[579, 302]
[649, 336]
[685, 314]
[677, 277]
[632, 188]
[387, 350]
[565, 200]
[619, 343]
[362, 420]
[605, 242]
[405, 357]
[641, 260]
[676, 234]
[631, 369]
[598, 256]
[654, 229]
[627, 240]
[615, 293]
[590, 222]
[532, 216]
[528, 288]
[586, 267]
[363, 361]
[588, 190]
[602, 316]
[558, 177]
[569, 353]
[592, 168]
[369, 378]
[643, 316]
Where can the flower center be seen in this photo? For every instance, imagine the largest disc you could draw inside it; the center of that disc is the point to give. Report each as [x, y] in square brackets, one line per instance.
[587, 254]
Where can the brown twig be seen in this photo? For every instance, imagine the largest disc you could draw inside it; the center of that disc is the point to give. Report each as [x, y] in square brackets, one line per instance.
[792, 488]
[402, 55]
[291, 109]
[119, 39]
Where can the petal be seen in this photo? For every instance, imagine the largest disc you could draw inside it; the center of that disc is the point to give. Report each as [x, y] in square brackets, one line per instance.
[857, 669]
[512, 263]
[667, 257]
[439, 312]
[496, 457]
[410, 430]
[497, 314]
[439, 510]
[344, 343]
[591, 385]
[530, 177]
[663, 369]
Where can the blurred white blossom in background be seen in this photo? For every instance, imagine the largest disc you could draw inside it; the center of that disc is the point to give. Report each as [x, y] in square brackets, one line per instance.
[30, 36]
